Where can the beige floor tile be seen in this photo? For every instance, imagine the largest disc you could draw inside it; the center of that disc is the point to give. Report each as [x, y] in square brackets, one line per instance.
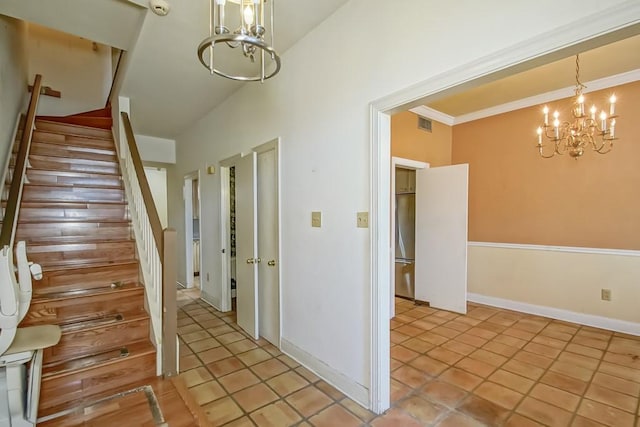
[548, 341]
[238, 380]
[277, 414]
[612, 398]
[617, 384]
[542, 350]
[544, 413]
[412, 377]
[483, 410]
[403, 354]
[572, 370]
[189, 362]
[255, 397]
[445, 332]
[605, 414]
[458, 325]
[499, 348]
[241, 422]
[460, 378]
[288, 361]
[580, 421]
[335, 415]
[195, 336]
[517, 420]
[269, 368]
[426, 412]
[579, 360]
[360, 412]
[214, 354]
[333, 392]
[498, 394]
[555, 396]
[397, 337]
[590, 342]
[511, 380]
[417, 345]
[230, 337]
[488, 357]
[241, 346]
[563, 382]
[482, 333]
[629, 360]
[309, 401]
[472, 340]
[254, 356]
[459, 347]
[409, 331]
[287, 383]
[399, 391]
[476, 367]
[533, 359]
[394, 418]
[195, 376]
[428, 365]
[226, 366]
[207, 392]
[443, 393]
[584, 350]
[189, 329]
[222, 411]
[307, 374]
[205, 344]
[432, 338]
[620, 371]
[519, 333]
[456, 419]
[444, 355]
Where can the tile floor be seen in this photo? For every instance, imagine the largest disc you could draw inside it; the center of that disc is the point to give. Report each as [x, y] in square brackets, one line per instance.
[490, 367]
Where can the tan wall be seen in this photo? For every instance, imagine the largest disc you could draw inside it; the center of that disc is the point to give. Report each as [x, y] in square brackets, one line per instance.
[517, 197]
[409, 142]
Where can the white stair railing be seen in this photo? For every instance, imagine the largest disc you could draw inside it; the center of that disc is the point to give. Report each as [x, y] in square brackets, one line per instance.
[156, 253]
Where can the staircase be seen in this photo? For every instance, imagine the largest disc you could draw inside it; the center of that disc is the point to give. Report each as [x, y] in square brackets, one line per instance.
[75, 221]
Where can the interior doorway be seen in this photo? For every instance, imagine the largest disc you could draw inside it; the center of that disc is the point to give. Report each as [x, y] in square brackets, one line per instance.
[193, 258]
[251, 235]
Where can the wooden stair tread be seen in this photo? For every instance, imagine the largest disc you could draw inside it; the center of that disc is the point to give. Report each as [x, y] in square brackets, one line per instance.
[95, 264]
[130, 288]
[65, 185]
[102, 358]
[73, 326]
[74, 204]
[60, 138]
[73, 129]
[79, 174]
[78, 160]
[48, 241]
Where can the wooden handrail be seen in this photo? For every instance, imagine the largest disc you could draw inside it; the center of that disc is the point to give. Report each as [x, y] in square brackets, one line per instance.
[114, 80]
[15, 191]
[154, 219]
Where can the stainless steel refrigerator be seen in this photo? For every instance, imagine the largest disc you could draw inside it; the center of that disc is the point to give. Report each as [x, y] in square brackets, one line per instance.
[405, 233]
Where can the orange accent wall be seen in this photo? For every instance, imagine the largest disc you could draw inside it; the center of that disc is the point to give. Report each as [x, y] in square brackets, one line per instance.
[515, 196]
[409, 142]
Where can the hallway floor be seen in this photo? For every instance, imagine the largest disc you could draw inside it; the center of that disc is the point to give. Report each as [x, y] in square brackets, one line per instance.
[490, 367]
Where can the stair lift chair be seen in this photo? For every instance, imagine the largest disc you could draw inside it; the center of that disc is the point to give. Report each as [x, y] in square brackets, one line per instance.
[20, 392]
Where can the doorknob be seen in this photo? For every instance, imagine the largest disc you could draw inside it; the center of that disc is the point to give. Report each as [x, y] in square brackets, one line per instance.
[250, 260]
[272, 263]
[257, 260]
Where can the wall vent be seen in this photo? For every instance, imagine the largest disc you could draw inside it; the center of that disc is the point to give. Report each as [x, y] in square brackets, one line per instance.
[424, 124]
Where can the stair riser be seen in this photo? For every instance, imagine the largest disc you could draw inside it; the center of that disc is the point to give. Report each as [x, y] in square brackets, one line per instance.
[72, 130]
[86, 342]
[67, 178]
[54, 193]
[59, 311]
[87, 278]
[65, 231]
[73, 165]
[114, 213]
[70, 252]
[95, 383]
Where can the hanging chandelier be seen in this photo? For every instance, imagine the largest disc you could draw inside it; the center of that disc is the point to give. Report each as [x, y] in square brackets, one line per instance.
[253, 58]
[586, 130]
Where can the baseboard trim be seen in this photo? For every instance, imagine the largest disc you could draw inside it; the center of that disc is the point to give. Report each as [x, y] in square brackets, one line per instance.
[569, 249]
[210, 299]
[352, 389]
[602, 322]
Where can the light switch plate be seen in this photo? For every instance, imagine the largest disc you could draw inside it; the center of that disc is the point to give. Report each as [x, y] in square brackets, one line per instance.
[316, 219]
[363, 219]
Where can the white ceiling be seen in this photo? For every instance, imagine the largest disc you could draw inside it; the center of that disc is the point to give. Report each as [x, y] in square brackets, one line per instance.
[611, 59]
[168, 86]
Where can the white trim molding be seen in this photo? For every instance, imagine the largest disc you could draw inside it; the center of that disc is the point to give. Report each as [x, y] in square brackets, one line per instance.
[430, 113]
[601, 322]
[352, 389]
[570, 249]
[567, 92]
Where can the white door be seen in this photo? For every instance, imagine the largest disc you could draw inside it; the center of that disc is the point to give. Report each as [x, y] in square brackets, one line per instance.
[246, 245]
[187, 193]
[441, 237]
[268, 286]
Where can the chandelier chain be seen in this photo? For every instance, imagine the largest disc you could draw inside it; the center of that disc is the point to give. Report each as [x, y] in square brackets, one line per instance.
[579, 85]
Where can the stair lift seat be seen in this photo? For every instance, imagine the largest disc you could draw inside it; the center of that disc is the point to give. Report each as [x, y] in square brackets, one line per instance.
[19, 346]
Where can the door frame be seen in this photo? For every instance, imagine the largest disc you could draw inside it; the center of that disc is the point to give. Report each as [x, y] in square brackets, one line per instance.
[620, 21]
[404, 164]
[224, 166]
[187, 196]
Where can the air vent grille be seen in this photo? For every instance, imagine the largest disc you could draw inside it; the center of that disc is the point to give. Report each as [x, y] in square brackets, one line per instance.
[424, 124]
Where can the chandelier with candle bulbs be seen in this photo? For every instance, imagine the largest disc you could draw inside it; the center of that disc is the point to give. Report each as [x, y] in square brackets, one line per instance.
[240, 26]
[585, 130]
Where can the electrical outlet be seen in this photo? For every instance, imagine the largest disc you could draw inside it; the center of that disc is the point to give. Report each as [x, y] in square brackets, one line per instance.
[605, 294]
[316, 219]
[363, 219]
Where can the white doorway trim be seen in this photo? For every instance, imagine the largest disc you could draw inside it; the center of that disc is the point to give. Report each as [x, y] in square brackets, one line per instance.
[619, 21]
[188, 224]
[225, 236]
[406, 164]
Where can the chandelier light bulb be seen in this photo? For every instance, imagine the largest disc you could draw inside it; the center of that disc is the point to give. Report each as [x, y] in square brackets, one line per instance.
[612, 106]
[248, 15]
[593, 112]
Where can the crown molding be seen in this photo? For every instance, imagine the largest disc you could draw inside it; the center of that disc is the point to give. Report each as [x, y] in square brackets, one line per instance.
[430, 113]
[594, 85]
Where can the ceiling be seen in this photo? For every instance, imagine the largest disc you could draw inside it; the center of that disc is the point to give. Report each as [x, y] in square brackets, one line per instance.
[608, 60]
[169, 88]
